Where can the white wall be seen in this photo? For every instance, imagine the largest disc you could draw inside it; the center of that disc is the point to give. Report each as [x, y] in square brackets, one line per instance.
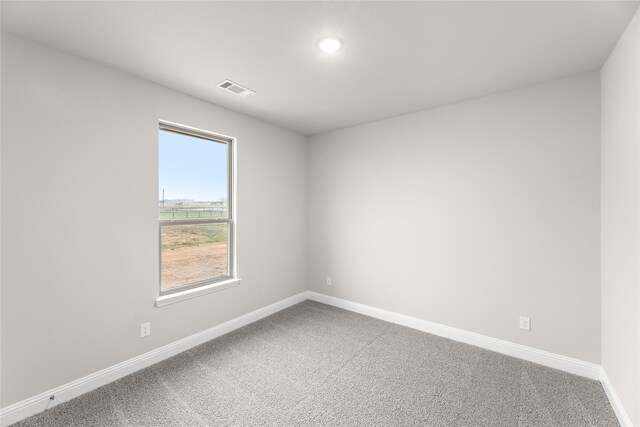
[470, 215]
[79, 217]
[620, 80]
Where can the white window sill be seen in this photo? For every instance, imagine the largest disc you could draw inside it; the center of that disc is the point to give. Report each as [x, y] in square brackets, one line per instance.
[195, 292]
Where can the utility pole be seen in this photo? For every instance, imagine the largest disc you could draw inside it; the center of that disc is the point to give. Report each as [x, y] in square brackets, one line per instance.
[163, 198]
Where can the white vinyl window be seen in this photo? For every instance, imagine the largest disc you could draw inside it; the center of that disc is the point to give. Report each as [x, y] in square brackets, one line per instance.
[195, 208]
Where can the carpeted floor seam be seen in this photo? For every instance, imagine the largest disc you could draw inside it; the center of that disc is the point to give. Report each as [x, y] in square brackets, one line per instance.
[178, 399]
[237, 388]
[465, 390]
[313, 321]
[116, 408]
[257, 362]
[341, 367]
[268, 343]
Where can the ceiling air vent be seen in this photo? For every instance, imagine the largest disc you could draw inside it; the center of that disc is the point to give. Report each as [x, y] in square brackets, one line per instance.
[235, 88]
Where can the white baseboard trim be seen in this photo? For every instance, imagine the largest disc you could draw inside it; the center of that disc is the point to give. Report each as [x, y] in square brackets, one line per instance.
[552, 360]
[21, 410]
[616, 404]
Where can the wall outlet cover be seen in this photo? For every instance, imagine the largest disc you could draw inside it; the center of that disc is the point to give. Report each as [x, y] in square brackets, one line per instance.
[145, 329]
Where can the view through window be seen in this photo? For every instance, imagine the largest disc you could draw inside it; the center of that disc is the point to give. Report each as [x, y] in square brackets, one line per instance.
[194, 207]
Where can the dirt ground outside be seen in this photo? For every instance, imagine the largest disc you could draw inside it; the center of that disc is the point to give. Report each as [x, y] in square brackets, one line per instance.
[193, 252]
[190, 264]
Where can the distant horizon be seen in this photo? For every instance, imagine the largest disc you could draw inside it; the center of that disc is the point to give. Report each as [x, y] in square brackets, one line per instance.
[194, 200]
[174, 201]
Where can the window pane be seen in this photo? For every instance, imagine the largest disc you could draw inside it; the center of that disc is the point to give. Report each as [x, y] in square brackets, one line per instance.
[192, 253]
[193, 177]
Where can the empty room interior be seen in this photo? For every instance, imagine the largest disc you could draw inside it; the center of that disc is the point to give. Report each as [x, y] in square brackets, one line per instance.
[320, 213]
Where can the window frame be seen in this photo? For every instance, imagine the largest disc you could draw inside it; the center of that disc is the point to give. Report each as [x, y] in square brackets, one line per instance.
[223, 281]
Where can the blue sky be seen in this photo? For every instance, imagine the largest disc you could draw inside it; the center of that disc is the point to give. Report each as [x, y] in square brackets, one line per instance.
[192, 168]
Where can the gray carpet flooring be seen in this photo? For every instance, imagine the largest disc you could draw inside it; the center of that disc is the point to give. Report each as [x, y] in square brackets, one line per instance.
[316, 365]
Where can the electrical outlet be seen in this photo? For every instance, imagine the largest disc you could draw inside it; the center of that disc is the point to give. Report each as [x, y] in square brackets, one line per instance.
[525, 323]
[329, 281]
[145, 329]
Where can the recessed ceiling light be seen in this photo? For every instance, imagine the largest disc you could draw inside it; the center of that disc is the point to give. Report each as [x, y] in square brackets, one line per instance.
[329, 44]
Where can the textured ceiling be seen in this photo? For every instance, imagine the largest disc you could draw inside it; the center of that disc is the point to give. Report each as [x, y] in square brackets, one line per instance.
[398, 57]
